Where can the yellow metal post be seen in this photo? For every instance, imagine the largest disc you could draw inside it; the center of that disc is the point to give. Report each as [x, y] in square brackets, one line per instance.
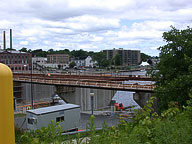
[7, 134]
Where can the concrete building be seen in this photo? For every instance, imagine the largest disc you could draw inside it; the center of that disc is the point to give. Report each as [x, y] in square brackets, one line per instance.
[128, 57]
[16, 60]
[58, 58]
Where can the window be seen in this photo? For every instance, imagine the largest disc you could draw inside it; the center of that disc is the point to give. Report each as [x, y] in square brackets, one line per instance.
[60, 119]
[31, 120]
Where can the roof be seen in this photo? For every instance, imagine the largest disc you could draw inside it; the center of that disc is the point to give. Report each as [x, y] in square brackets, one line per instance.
[52, 109]
[12, 52]
[144, 64]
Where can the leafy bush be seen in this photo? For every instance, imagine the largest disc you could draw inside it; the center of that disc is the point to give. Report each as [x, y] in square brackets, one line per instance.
[173, 126]
[51, 134]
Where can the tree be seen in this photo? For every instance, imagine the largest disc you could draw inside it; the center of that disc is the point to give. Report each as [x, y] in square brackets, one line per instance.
[100, 58]
[145, 57]
[81, 54]
[23, 49]
[50, 51]
[104, 63]
[72, 64]
[117, 60]
[149, 61]
[39, 53]
[174, 78]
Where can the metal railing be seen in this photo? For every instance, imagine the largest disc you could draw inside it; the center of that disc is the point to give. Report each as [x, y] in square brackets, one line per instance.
[87, 83]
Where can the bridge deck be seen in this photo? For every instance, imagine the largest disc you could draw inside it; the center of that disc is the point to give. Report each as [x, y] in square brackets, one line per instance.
[85, 81]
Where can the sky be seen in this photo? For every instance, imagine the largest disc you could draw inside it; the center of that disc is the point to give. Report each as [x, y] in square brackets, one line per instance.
[92, 25]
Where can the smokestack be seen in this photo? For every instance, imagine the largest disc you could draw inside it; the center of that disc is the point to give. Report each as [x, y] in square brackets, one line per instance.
[11, 39]
[4, 40]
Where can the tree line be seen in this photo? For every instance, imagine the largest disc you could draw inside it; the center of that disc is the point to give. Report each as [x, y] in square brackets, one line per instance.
[100, 57]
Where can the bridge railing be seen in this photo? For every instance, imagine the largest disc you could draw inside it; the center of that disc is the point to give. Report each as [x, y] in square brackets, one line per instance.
[87, 83]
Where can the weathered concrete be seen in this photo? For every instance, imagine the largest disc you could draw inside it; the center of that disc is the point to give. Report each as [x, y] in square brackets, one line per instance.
[81, 96]
[40, 92]
[142, 97]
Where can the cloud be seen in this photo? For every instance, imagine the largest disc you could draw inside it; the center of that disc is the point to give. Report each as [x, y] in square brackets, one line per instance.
[24, 42]
[125, 43]
[92, 24]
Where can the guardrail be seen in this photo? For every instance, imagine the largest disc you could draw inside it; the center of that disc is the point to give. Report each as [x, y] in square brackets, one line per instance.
[88, 83]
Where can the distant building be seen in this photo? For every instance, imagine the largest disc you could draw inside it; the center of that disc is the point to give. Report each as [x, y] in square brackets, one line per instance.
[89, 62]
[128, 57]
[16, 60]
[39, 60]
[58, 58]
[79, 62]
[39, 63]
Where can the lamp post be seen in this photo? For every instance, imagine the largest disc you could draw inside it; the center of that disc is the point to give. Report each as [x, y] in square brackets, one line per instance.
[31, 68]
[92, 94]
[31, 85]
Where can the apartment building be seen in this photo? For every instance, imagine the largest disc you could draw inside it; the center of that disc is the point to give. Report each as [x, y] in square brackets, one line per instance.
[58, 58]
[128, 57]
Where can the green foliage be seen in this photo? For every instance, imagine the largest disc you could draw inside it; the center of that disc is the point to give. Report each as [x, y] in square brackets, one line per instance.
[173, 126]
[81, 54]
[19, 115]
[174, 78]
[92, 127]
[72, 64]
[117, 60]
[101, 59]
[39, 53]
[145, 57]
[51, 134]
[23, 49]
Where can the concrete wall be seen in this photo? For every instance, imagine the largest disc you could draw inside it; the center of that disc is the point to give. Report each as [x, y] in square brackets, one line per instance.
[141, 99]
[40, 92]
[81, 96]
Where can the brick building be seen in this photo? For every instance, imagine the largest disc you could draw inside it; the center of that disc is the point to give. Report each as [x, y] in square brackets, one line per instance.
[16, 60]
[58, 58]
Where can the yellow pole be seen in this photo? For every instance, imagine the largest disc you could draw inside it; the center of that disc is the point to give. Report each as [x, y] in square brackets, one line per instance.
[7, 134]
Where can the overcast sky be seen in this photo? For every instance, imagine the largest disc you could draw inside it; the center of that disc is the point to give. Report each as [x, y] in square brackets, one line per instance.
[92, 25]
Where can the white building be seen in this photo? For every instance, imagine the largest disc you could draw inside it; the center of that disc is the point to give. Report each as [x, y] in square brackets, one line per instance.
[39, 60]
[67, 115]
[79, 63]
[89, 62]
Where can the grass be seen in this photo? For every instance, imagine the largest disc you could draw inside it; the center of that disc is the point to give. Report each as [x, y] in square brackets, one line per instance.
[19, 115]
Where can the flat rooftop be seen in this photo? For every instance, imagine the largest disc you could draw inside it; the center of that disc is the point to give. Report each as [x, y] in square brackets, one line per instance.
[51, 109]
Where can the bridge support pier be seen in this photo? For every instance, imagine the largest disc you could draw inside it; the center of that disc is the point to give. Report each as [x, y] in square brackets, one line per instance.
[64, 89]
[141, 99]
